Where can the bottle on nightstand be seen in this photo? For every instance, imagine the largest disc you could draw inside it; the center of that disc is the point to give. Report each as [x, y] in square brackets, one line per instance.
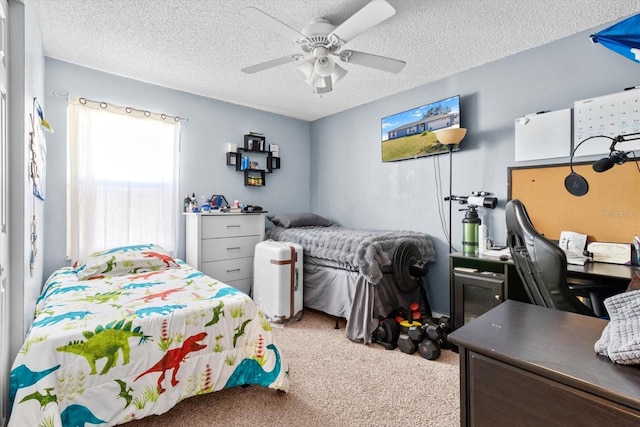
[187, 203]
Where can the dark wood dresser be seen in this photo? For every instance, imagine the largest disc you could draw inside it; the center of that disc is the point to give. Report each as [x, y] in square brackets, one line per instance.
[524, 365]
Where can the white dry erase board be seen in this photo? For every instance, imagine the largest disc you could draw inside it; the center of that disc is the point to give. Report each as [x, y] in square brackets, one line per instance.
[543, 135]
[609, 115]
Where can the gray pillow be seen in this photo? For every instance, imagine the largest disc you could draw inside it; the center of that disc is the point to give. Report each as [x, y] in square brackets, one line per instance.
[305, 219]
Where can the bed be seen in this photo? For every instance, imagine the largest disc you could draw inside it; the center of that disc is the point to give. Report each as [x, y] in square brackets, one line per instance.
[130, 332]
[347, 272]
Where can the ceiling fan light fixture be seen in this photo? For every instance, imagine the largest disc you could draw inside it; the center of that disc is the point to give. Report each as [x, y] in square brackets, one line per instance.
[306, 68]
[324, 66]
[322, 84]
[318, 82]
[338, 74]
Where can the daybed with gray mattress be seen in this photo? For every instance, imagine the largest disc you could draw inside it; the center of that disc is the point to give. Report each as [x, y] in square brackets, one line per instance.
[347, 272]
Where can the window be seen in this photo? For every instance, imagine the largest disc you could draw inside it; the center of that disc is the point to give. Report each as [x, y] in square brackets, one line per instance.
[122, 181]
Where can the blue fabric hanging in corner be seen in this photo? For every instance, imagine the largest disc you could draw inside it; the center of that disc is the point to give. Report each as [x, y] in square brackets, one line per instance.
[622, 38]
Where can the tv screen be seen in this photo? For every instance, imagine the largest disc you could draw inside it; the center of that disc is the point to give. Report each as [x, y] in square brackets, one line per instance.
[409, 134]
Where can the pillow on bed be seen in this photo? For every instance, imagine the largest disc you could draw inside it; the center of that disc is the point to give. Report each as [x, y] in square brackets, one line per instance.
[125, 260]
[299, 220]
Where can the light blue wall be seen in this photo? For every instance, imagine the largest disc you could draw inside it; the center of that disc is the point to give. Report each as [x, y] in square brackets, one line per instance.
[203, 171]
[351, 185]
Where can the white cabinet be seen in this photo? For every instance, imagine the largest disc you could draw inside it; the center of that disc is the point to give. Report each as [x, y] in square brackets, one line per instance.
[221, 245]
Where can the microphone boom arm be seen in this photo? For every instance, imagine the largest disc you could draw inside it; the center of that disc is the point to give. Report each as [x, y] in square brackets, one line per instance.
[577, 185]
[623, 138]
[612, 147]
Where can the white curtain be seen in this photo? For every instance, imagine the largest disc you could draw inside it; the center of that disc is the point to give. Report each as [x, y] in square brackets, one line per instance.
[122, 180]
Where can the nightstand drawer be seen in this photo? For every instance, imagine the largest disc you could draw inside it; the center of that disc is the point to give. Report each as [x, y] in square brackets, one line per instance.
[229, 270]
[232, 225]
[228, 248]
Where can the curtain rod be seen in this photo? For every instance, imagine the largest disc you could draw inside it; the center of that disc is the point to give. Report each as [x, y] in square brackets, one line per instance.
[104, 105]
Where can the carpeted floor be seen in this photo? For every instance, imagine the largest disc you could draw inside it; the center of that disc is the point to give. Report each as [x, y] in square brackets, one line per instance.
[334, 382]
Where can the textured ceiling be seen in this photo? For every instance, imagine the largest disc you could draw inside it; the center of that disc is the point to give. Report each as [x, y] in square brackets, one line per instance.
[199, 46]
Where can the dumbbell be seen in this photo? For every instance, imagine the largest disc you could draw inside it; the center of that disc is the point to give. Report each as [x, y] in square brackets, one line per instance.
[438, 331]
[433, 331]
[405, 341]
[429, 349]
[406, 344]
[445, 322]
[386, 334]
[416, 333]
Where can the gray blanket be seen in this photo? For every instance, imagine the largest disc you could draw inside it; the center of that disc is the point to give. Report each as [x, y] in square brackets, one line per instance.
[620, 339]
[368, 251]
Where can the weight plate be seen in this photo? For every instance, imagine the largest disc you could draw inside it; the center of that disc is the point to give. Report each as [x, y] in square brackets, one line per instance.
[406, 255]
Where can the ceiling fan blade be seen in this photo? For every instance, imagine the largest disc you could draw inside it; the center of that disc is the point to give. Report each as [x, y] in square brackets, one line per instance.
[271, 23]
[370, 60]
[271, 63]
[369, 16]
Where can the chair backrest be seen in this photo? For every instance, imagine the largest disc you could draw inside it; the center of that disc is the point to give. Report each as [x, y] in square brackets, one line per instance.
[541, 264]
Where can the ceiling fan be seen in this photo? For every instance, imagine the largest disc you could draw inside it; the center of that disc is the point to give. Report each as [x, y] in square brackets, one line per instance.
[321, 42]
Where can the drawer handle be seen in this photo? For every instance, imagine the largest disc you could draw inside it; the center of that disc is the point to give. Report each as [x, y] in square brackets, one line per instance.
[231, 271]
[234, 248]
[232, 225]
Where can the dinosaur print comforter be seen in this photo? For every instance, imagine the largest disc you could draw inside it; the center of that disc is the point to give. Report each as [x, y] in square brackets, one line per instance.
[119, 348]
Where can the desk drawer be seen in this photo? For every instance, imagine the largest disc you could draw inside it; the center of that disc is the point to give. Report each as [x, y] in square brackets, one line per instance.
[228, 248]
[499, 392]
[229, 270]
[231, 226]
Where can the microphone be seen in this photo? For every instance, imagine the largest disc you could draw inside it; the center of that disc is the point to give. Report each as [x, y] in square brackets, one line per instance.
[606, 163]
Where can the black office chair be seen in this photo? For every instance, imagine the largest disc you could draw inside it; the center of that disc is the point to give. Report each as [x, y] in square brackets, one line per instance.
[541, 264]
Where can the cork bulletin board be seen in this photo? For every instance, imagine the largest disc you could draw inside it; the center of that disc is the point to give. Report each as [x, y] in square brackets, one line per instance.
[609, 212]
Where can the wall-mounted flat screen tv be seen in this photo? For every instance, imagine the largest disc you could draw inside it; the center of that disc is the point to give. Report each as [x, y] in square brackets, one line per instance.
[409, 134]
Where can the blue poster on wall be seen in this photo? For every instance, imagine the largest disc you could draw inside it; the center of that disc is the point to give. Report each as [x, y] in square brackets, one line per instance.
[622, 38]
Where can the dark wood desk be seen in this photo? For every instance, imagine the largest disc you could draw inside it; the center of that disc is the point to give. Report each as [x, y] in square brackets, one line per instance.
[525, 365]
[469, 297]
[600, 269]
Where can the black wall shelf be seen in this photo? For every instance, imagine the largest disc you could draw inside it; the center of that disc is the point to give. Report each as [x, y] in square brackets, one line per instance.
[253, 144]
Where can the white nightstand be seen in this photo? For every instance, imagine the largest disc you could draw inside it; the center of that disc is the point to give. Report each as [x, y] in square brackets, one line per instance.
[222, 245]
